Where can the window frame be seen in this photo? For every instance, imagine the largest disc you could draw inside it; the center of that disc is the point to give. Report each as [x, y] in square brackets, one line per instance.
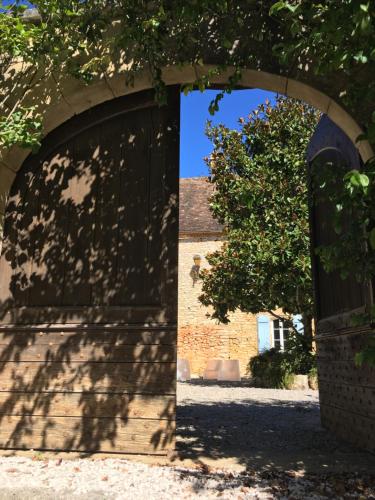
[282, 337]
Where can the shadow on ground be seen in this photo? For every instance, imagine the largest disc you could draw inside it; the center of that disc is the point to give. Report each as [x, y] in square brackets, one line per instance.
[264, 429]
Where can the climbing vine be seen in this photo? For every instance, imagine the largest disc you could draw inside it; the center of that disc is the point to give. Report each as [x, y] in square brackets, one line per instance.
[306, 39]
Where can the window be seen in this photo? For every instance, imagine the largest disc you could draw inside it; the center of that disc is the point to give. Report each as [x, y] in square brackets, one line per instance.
[280, 334]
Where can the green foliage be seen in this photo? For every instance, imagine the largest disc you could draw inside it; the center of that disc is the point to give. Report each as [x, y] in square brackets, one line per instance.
[275, 368]
[335, 36]
[313, 378]
[348, 200]
[298, 354]
[259, 174]
[270, 369]
[23, 128]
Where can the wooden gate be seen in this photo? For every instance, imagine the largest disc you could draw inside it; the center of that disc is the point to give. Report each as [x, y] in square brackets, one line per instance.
[346, 391]
[88, 284]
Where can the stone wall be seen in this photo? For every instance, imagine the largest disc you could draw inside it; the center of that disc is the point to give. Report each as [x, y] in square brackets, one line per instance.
[199, 337]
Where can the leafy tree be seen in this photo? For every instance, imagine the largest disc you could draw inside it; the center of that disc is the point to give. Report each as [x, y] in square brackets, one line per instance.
[332, 37]
[259, 174]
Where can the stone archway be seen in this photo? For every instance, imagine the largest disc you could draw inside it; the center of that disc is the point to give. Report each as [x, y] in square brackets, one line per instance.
[60, 99]
[67, 97]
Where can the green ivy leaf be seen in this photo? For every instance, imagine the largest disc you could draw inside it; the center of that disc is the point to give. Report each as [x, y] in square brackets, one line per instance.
[357, 179]
[276, 7]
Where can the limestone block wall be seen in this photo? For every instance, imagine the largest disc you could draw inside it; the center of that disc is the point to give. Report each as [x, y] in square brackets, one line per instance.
[199, 337]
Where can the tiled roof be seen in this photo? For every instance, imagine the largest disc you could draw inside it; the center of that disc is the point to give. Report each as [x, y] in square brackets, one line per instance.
[195, 215]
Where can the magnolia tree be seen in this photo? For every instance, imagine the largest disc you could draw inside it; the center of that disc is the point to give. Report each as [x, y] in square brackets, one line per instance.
[259, 174]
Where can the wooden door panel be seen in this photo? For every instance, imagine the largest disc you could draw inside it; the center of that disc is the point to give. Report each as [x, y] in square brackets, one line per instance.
[330, 149]
[96, 236]
[88, 284]
[335, 295]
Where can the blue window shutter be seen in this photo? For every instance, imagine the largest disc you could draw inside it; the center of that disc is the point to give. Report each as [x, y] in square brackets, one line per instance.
[263, 333]
[297, 323]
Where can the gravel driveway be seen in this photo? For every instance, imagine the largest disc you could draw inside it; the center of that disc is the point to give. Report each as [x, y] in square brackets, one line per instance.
[234, 442]
[236, 424]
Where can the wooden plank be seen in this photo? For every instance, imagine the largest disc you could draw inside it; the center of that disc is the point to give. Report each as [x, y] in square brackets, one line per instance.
[87, 434]
[345, 372]
[145, 378]
[357, 429]
[101, 335]
[48, 232]
[18, 243]
[78, 202]
[352, 398]
[132, 264]
[158, 242]
[105, 237]
[123, 315]
[76, 350]
[87, 404]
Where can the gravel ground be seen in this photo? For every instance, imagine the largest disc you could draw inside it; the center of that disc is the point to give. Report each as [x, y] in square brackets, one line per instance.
[260, 428]
[24, 478]
[234, 443]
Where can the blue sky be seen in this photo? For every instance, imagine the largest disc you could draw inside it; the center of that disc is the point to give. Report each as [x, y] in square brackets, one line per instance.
[194, 145]
[12, 2]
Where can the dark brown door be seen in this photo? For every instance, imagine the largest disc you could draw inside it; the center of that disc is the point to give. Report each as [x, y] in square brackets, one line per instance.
[88, 284]
[336, 296]
[346, 391]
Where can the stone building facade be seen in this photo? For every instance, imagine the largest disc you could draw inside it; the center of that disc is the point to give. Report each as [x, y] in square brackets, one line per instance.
[201, 338]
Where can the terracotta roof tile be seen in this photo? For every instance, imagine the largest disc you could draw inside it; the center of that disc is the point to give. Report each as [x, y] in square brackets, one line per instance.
[195, 214]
